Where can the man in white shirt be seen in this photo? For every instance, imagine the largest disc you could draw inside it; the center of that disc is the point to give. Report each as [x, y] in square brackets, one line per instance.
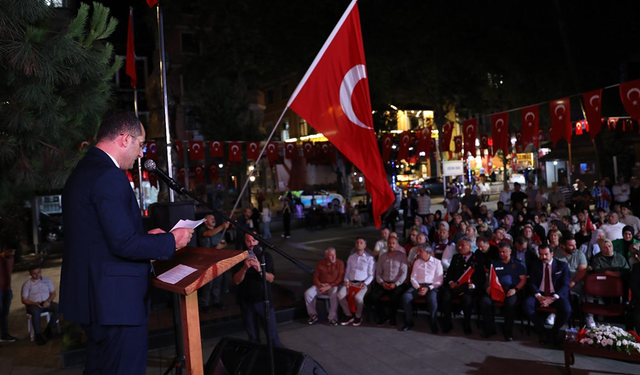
[424, 204]
[426, 279]
[381, 245]
[621, 192]
[358, 274]
[391, 272]
[37, 295]
[627, 218]
[505, 196]
[613, 229]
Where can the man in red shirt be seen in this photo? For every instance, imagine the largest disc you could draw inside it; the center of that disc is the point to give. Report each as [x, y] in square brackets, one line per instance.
[327, 277]
[6, 294]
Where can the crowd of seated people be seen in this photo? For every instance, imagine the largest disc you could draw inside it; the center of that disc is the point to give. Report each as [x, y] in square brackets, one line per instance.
[539, 246]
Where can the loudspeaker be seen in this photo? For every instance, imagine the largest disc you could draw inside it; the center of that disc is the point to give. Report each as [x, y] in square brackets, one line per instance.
[235, 357]
[166, 214]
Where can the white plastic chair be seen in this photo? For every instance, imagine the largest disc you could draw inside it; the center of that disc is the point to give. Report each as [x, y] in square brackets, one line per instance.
[45, 314]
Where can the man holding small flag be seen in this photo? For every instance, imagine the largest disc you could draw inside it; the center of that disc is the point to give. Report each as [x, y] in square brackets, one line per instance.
[506, 278]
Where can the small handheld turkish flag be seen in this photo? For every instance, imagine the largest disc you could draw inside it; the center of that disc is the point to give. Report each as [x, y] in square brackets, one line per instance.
[216, 149]
[235, 151]
[466, 276]
[253, 150]
[196, 150]
[495, 288]
[560, 120]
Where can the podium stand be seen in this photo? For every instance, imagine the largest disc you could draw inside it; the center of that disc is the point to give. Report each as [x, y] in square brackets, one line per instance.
[209, 263]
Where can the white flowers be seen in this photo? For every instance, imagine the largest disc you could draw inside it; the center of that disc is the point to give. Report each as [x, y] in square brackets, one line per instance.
[609, 337]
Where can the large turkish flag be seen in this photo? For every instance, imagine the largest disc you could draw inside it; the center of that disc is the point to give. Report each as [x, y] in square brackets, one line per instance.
[530, 126]
[560, 120]
[333, 97]
[470, 129]
[593, 111]
[500, 132]
[630, 95]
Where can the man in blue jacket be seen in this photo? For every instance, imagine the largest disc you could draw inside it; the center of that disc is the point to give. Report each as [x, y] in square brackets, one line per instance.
[105, 276]
[548, 285]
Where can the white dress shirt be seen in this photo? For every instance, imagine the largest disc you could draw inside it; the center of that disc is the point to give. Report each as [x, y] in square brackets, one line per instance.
[360, 267]
[429, 272]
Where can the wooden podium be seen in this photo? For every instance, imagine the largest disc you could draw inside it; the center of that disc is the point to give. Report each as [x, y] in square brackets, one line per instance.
[209, 264]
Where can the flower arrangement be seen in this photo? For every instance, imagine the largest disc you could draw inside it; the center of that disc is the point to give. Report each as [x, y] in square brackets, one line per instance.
[610, 337]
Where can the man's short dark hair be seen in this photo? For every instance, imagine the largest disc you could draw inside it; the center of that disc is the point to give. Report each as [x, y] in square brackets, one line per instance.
[118, 122]
[482, 239]
[361, 238]
[566, 237]
[521, 240]
[504, 244]
[34, 267]
[545, 246]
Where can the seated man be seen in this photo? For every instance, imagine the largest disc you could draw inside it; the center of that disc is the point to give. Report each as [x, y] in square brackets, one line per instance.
[381, 245]
[358, 275]
[391, 272]
[463, 288]
[426, 279]
[422, 244]
[525, 254]
[513, 277]
[443, 245]
[37, 295]
[327, 277]
[411, 241]
[548, 285]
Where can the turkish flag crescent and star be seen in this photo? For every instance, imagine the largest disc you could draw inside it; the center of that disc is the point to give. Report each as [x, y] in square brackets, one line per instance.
[290, 150]
[484, 143]
[560, 120]
[530, 126]
[333, 97]
[424, 141]
[403, 146]
[215, 147]
[496, 291]
[630, 95]
[470, 134]
[593, 110]
[387, 142]
[445, 143]
[131, 53]
[196, 150]
[500, 132]
[253, 150]
[178, 145]
[235, 151]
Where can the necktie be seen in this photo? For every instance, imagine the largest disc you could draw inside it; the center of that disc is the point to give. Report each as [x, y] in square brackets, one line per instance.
[547, 281]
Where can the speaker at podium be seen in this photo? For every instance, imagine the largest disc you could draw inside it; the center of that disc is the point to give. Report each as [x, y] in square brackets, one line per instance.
[235, 357]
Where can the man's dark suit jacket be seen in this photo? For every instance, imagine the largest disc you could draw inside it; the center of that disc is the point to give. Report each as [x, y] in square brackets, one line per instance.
[458, 267]
[106, 269]
[560, 278]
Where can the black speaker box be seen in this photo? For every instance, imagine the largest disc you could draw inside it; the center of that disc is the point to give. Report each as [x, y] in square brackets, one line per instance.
[165, 215]
[240, 357]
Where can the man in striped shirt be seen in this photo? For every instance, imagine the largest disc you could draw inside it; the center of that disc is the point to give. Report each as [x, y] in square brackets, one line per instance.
[601, 195]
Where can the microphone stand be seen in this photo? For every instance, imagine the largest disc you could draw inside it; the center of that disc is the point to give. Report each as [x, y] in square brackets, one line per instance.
[267, 304]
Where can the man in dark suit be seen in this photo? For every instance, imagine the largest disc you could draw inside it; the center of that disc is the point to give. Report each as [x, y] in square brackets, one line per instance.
[465, 291]
[105, 276]
[548, 286]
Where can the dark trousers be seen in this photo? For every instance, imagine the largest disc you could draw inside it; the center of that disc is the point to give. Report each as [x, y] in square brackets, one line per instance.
[286, 222]
[35, 312]
[210, 293]
[562, 306]
[508, 309]
[385, 309]
[253, 317]
[120, 350]
[5, 304]
[432, 304]
[465, 295]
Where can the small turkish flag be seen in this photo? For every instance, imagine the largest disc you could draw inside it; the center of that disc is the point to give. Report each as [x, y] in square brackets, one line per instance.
[153, 180]
[213, 172]
[484, 143]
[466, 276]
[387, 142]
[199, 174]
[181, 174]
[216, 149]
[151, 3]
[253, 150]
[131, 53]
[307, 150]
[457, 140]
[331, 151]
[290, 150]
[630, 95]
[84, 144]
[235, 151]
[403, 147]
[579, 128]
[519, 143]
[495, 288]
[470, 134]
[178, 145]
[424, 141]
[530, 126]
[500, 132]
[592, 102]
[560, 120]
[196, 150]
[272, 151]
[445, 142]
[152, 150]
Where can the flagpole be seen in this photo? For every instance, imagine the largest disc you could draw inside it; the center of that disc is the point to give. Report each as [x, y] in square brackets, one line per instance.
[135, 109]
[163, 84]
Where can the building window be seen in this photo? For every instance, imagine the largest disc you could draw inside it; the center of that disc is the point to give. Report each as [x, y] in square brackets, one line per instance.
[304, 128]
[190, 43]
[284, 92]
[270, 97]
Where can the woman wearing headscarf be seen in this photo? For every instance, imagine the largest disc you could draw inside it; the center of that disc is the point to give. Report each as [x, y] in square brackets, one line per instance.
[627, 241]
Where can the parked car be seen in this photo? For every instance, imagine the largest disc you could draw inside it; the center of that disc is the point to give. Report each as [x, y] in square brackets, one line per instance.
[322, 198]
[51, 229]
[433, 186]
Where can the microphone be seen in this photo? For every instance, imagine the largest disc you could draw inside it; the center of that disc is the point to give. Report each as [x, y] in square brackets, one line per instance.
[257, 250]
[150, 166]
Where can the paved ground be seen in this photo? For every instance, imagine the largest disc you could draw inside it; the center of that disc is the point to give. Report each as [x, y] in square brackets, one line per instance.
[340, 350]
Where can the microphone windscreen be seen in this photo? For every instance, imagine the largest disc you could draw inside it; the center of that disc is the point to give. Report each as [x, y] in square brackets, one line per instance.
[257, 250]
[150, 165]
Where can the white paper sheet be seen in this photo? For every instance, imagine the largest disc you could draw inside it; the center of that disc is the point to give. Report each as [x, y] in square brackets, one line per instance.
[190, 224]
[176, 274]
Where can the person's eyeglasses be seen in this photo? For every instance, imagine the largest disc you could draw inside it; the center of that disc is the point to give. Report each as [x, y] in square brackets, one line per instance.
[142, 144]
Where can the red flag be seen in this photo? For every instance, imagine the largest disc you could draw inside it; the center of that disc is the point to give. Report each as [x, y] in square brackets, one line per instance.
[334, 98]
[592, 102]
[152, 150]
[213, 172]
[235, 151]
[466, 276]
[403, 145]
[541, 136]
[196, 150]
[630, 95]
[272, 151]
[387, 142]
[290, 150]
[216, 149]
[199, 172]
[181, 174]
[579, 127]
[351, 298]
[496, 291]
[530, 126]
[253, 150]
[519, 142]
[131, 53]
[424, 141]
[151, 3]
[457, 141]
[178, 145]
[560, 120]
[588, 223]
[307, 150]
[319, 158]
[484, 143]
[153, 179]
[445, 142]
[332, 153]
[470, 134]
[434, 146]
[500, 132]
